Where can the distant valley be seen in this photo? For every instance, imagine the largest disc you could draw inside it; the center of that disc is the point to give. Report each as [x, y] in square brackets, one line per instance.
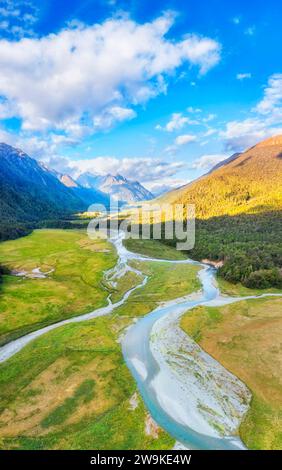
[76, 392]
[238, 206]
[30, 192]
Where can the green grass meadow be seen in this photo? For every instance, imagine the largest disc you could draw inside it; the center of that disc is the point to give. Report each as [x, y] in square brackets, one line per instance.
[70, 388]
[73, 288]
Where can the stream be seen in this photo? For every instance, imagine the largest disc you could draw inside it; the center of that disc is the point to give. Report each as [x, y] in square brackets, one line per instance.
[188, 393]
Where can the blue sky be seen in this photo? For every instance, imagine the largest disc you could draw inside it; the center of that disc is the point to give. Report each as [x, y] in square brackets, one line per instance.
[158, 91]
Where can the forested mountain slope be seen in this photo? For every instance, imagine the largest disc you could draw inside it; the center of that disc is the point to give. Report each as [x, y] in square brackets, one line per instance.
[239, 215]
[30, 192]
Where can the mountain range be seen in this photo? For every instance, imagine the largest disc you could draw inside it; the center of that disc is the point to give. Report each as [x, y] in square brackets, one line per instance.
[117, 186]
[31, 192]
[238, 206]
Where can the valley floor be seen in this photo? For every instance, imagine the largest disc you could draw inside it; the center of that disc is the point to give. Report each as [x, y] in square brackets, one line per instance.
[73, 286]
[70, 388]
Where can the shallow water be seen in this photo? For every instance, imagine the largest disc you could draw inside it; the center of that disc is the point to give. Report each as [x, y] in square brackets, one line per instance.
[136, 345]
[144, 368]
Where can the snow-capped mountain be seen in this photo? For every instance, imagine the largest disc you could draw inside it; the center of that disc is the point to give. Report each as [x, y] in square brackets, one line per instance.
[117, 186]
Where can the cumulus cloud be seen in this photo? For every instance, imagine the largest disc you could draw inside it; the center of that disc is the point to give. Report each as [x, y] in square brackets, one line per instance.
[7, 137]
[206, 162]
[209, 117]
[146, 169]
[111, 116]
[19, 17]
[73, 77]
[177, 121]
[38, 147]
[266, 119]
[239, 135]
[193, 110]
[165, 185]
[185, 139]
[272, 100]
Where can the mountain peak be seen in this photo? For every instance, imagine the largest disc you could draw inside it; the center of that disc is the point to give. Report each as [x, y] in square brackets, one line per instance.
[274, 140]
[244, 183]
[115, 179]
[116, 185]
[8, 149]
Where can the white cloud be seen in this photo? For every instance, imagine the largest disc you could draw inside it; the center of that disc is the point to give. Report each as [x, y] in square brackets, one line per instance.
[265, 121]
[6, 137]
[241, 134]
[171, 150]
[165, 185]
[38, 147]
[210, 117]
[190, 109]
[210, 132]
[243, 76]
[4, 24]
[8, 12]
[185, 139]
[109, 117]
[272, 99]
[34, 146]
[60, 80]
[178, 121]
[143, 169]
[21, 15]
[206, 162]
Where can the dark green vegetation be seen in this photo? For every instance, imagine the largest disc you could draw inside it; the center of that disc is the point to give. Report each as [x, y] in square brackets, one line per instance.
[239, 215]
[245, 337]
[30, 193]
[249, 246]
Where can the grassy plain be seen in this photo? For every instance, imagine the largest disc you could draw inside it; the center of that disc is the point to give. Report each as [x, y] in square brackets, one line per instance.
[73, 288]
[238, 290]
[154, 249]
[77, 392]
[246, 338]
